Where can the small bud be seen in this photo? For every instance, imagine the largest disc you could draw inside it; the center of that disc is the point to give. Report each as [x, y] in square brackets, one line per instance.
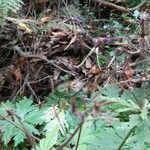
[118, 50]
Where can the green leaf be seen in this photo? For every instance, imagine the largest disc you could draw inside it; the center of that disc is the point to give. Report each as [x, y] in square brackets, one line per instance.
[10, 131]
[24, 106]
[110, 91]
[6, 106]
[7, 6]
[25, 116]
[29, 112]
[52, 120]
[97, 135]
[50, 140]
[19, 137]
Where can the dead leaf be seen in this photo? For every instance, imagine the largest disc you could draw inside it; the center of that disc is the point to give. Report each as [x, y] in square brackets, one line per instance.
[56, 74]
[73, 60]
[72, 41]
[16, 74]
[95, 70]
[21, 60]
[91, 87]
[88, 63]
[74, 105]
[129, 73]
[24, 27]
[76, 84]
[58, 34]
[125, 86]
[44, 20]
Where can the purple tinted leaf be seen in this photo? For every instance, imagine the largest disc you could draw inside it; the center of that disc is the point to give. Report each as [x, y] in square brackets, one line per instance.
[101, 40]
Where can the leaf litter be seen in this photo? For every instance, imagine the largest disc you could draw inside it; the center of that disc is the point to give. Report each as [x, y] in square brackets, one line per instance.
[47, 52]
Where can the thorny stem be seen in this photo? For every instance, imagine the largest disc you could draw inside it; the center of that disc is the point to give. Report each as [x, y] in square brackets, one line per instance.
[126, 137]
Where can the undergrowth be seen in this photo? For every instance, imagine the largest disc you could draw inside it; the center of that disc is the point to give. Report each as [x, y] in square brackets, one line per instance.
[49, 125]
[112, 117]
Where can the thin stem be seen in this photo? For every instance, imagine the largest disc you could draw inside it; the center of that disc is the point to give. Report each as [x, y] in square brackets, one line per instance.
[27, 55]
[72, 135]
[91, 51]
[23, 129]
[79, 137]
[126, 137]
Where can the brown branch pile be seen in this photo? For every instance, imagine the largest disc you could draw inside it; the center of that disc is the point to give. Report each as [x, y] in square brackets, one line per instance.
[33, 61]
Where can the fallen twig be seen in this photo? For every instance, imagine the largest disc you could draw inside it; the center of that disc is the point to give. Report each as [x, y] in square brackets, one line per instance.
[15, 20]
[27, 55]
[119, 8]
[91, 51]
[140, 62]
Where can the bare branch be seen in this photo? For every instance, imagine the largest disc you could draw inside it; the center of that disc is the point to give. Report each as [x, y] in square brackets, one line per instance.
[117, 7]
[27, 55]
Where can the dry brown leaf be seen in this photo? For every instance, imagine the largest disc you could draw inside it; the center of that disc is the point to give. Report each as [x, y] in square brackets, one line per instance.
[95, 70]
[129, 73]
[74, 105]
[58, 33]
[125, 86]
[44, 20]
[21, 60]
[76, 84]
[16, 74]
[91, 87]
[73, 60]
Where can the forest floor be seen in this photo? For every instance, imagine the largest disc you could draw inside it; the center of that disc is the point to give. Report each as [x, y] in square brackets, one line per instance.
[72, 67]
[77, 47]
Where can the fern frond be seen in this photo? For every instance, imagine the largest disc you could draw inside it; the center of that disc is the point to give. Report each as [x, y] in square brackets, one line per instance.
[7, 6]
